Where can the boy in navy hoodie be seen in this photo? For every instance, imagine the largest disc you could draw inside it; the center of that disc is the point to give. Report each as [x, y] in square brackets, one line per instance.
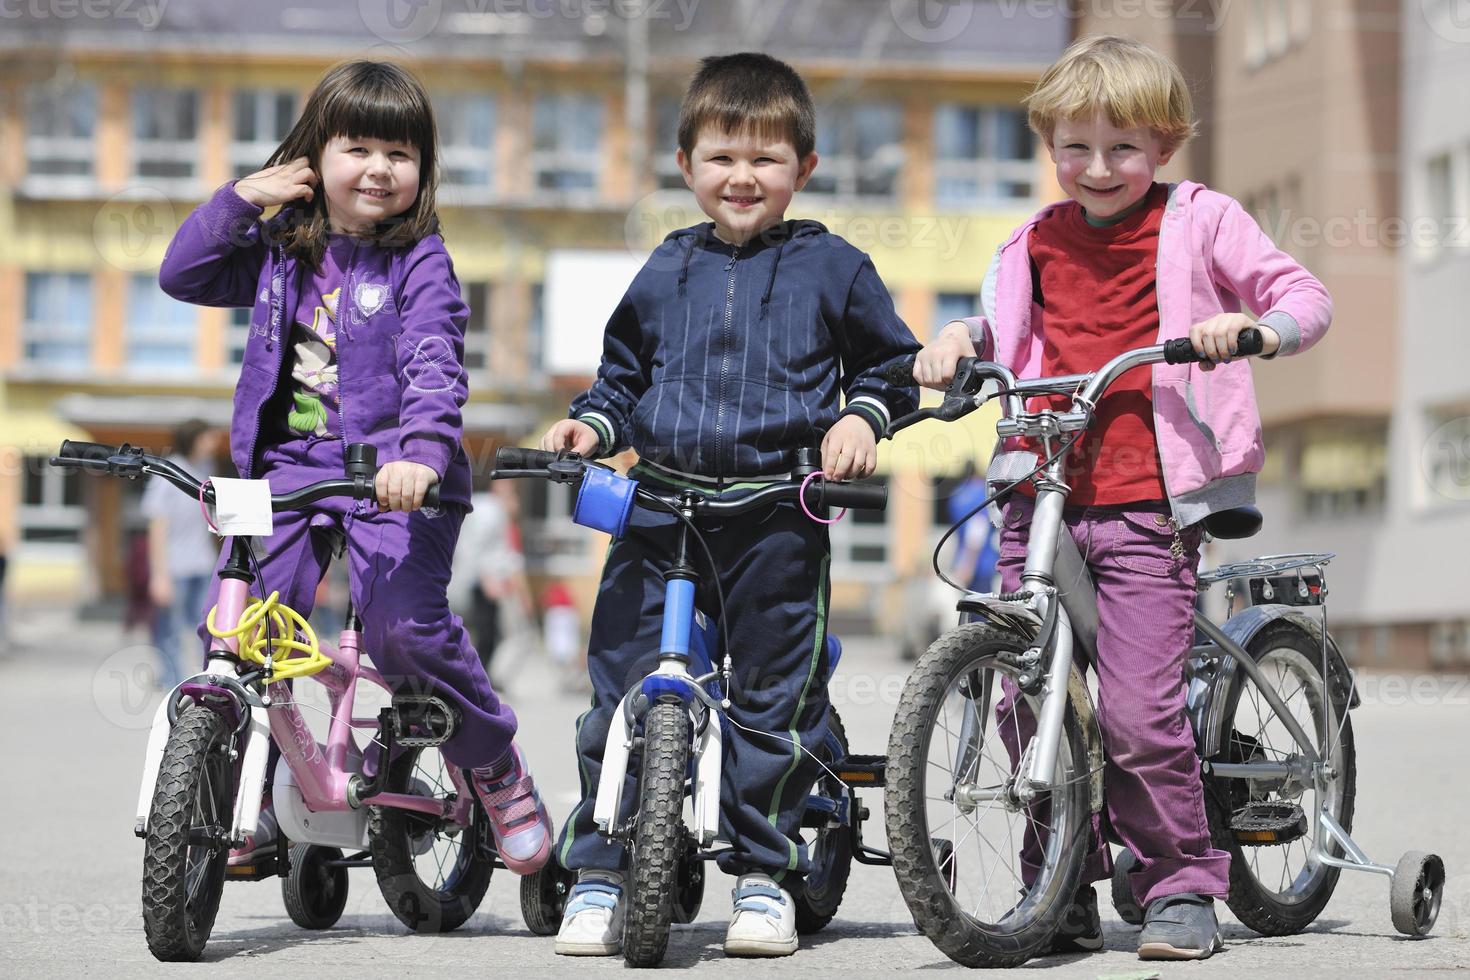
[731, 350]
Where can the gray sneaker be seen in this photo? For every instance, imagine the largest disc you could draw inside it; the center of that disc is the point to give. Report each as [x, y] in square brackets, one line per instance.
[1179, 927]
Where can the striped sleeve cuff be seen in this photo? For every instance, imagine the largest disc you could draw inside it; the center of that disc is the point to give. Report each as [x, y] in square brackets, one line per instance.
[603, 426]
[872, 410]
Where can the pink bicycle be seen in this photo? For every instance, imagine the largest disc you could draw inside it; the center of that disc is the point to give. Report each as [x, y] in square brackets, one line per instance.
[411, 817]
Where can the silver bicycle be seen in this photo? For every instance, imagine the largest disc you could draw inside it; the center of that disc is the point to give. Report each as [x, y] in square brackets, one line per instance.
[1268, 699]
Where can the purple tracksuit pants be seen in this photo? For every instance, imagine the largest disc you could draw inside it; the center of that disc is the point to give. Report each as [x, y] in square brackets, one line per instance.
[1151, 777]
[398, 571]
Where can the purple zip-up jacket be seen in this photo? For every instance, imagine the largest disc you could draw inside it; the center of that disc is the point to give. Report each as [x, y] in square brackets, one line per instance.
[400, 349]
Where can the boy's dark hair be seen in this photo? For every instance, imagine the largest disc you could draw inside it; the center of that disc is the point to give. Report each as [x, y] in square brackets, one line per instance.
[186, 434]
[373, 100]
[749, 92]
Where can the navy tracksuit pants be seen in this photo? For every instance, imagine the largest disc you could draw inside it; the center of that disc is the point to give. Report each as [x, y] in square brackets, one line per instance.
[773, 567]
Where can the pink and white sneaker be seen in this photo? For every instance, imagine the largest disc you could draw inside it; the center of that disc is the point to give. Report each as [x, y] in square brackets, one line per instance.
[518, 818]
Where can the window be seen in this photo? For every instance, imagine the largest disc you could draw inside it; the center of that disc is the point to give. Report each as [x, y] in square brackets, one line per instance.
[58, 324]
[1444, 202]
[554, 545]
[953, 306]
[60, 125]
[861, 151]
[665, 144]
[466, 142]
[477, 328]
[51, 510]
[983, 156]
[1449, 644]
[566, 142]
[1274, 27]
[1446, 457]
[165, 131]
[1343, 472]
[237, 334]
[263, 118]
[860, 544]
[160, 328]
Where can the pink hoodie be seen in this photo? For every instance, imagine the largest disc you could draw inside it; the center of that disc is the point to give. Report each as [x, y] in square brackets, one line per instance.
[1213, 258]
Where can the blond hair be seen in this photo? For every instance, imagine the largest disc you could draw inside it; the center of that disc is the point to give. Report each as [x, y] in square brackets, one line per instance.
[1130, 82]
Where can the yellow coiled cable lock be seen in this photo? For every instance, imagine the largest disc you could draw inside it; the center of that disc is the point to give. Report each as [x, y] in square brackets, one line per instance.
[268, 625]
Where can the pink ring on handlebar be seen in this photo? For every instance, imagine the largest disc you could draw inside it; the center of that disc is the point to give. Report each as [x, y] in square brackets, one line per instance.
[801, 499]
[204, 509]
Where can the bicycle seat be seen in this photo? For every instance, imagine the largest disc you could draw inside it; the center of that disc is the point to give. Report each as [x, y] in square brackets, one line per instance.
[1237, 522]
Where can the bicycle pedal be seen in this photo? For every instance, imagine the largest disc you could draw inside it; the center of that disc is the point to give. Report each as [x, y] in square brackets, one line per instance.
[264, 867]
[862, 770]
[1265, 822]
[423, 721]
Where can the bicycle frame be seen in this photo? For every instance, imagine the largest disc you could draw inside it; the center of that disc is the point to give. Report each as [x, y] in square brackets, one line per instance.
[325, 776]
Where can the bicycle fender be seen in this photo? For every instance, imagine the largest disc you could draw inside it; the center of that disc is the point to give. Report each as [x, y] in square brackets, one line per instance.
[1081, 701]
[708, 749]
[1207, 694]
[252, 776]
[152, 760]
[614, 769]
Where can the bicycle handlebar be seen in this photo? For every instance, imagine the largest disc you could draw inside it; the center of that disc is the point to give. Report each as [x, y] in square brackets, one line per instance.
[514, 463]
[128, 461]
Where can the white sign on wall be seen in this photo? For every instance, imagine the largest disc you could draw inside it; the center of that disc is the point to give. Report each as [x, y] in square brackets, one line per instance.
[582, 288]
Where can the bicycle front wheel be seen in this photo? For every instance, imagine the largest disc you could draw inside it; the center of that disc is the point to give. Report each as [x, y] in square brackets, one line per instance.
[658, 834]
[187, 846]
[957, 820]
[1268, 824]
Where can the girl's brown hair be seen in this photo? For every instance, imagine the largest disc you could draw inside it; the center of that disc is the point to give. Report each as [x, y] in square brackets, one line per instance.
[363, 100]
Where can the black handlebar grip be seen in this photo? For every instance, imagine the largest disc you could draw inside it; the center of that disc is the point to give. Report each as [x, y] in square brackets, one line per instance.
[431, 497]
[73, 449]
[863, 496]
[1247, 343]
[516, 458]
[900, 373]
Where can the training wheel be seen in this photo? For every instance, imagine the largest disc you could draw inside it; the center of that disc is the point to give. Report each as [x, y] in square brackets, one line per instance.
[544, 897]
[314, 891]
[1124, 903]
[1414, 896]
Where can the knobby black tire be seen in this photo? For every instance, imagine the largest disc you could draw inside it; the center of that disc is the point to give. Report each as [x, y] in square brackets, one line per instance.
[1253, 903]
[831, 850]
[426, 906]
[196, 787]
[937, 913]
[544, 897]
[658, 834]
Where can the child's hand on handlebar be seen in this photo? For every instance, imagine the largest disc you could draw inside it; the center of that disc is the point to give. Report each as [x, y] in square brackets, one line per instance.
[579, 437]
[849, 450]
[401, 485]
[1215, 338]
[934, 366]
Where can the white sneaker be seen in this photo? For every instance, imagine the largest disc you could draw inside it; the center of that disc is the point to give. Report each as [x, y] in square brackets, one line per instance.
[592, 924]
[764, 923]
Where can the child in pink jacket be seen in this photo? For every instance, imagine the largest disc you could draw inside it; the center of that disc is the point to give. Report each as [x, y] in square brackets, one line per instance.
[1124, 263]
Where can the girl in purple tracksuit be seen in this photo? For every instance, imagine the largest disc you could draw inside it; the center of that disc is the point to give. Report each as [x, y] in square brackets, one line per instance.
[354, 255]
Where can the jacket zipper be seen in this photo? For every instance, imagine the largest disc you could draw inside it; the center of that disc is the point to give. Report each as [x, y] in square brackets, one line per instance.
[725, 353]
[272, 340]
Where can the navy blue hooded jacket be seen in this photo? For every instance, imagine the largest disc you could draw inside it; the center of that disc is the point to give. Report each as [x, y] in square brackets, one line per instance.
[723, 360]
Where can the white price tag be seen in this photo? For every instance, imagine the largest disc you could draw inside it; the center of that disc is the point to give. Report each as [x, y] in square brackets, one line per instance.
[243, 507]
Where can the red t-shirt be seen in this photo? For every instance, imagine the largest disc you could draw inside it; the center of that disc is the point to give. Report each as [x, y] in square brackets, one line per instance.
[1096, 286]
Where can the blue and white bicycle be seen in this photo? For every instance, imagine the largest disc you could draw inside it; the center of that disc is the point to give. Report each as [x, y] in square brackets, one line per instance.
[669, 727]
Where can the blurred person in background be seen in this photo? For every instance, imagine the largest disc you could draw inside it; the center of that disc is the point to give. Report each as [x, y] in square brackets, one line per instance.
[181, 549]
[561, 631]
[487, 587]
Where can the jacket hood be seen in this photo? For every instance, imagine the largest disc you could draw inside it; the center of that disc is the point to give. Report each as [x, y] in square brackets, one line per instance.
[778, 235]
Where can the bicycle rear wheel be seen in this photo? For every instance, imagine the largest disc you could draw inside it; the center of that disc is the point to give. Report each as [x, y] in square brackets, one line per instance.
[187, 846]
[433, 873]
[658, 834]
[955, 820]
[1276, 886]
